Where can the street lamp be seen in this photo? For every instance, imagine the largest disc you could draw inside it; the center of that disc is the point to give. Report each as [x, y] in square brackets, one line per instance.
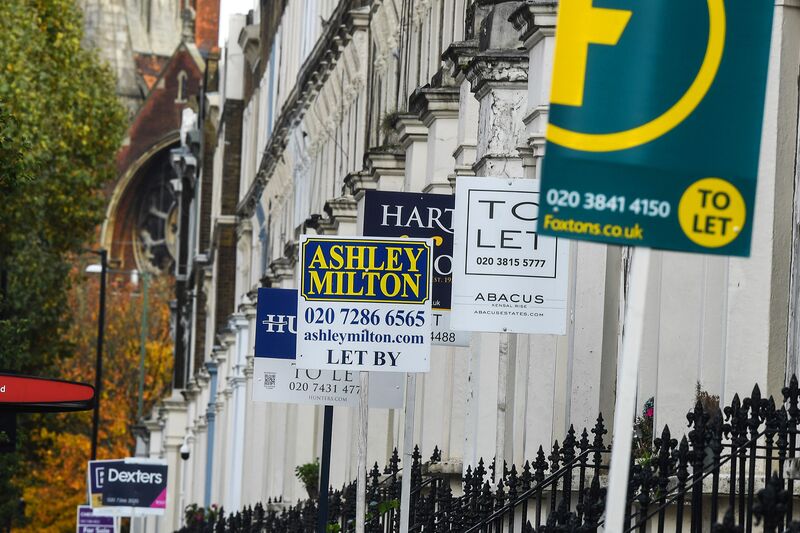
[135, 275]
[101, 324]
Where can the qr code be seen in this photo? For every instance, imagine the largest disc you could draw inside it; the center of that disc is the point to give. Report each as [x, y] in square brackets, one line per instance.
[269, 380]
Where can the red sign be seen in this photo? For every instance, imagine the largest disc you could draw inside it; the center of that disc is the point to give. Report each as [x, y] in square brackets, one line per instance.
[25, 393]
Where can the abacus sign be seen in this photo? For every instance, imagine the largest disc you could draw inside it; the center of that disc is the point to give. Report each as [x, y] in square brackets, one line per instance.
[364, 304]
[276, 376]
[652, 140]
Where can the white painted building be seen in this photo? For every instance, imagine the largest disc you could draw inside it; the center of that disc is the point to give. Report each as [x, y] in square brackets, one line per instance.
[339, 97]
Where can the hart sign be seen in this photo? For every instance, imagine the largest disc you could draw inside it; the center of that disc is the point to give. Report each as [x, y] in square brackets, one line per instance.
[405, 214]
[277, 378]
[364, 304]
[652, 140]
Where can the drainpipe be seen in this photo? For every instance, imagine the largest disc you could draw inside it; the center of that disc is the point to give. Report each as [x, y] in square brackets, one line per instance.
[211, 415]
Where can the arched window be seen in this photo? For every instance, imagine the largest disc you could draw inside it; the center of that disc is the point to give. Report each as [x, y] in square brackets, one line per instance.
[181, 96]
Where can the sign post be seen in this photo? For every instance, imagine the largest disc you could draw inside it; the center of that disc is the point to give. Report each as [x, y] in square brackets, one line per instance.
[279, 380]
[654, 142]
[401, 214]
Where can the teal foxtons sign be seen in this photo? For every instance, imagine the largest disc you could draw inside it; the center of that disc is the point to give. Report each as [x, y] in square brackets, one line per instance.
[655, 123]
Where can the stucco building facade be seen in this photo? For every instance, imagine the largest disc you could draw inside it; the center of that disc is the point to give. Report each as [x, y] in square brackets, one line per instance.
[316, 102]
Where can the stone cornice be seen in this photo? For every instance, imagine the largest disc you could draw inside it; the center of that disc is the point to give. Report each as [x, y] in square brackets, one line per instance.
[349, 17]
[410, 129]
[339, 210]
[497, 67]
[458, 55]
[384, 162]
[534, 16]
[431, 103]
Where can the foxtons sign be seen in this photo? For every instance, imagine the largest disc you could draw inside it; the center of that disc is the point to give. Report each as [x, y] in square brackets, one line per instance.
[400, 214]
[508, 277]
[277, 378]
[364, 304]
[652, 140]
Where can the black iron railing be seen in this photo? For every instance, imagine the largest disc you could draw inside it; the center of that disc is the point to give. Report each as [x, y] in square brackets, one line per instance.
[726, 475]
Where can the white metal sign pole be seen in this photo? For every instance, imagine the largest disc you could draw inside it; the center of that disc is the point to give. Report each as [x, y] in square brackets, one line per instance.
[361, 462]
[408, 451]
[632, 333]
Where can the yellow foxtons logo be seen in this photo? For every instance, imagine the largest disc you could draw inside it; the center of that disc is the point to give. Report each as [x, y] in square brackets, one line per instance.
[581, 25]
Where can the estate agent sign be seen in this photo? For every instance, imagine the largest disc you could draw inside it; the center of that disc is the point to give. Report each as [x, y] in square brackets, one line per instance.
[277, 378]
[122, 487]
[364, 304]
[89, 522]
[507, 277]
[654, 140]
[403, 214]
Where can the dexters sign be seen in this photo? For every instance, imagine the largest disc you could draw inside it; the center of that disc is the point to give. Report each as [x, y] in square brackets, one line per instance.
[122, 487]
[401, 214]
[278, 379]
[364, 304]
[654, 140]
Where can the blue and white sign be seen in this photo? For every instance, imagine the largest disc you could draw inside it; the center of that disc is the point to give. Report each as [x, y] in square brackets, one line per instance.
[364, 304]
[277, 378]
[89, 522]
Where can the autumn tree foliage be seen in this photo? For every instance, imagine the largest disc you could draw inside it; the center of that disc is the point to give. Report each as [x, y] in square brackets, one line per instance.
[56, 481]
[60, 128]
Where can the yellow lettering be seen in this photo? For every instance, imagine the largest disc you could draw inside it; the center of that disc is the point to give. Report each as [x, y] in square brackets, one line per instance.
[317, 284]
[350, 284]
[393, 258]
[411, 282]
[385, 285]
[580, 24]
[372, 255]
[337, 261]
[318, 260]
[413, 258]
[370, 277]
[355, 257]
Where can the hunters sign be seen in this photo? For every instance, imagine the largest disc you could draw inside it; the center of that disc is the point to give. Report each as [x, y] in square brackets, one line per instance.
[364, 304]
[277, 378]
[654, 134]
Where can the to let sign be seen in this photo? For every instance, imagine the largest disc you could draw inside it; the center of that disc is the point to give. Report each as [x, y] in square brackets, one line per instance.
[404, 214]
[652, 140]
[507, 277]
[364, 304]
[277, 377]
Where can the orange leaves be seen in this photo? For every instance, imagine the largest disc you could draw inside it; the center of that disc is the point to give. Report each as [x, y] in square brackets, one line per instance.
[56, 483]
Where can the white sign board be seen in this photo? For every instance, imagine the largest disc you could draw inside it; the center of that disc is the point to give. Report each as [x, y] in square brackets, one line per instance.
[506, 277]
[277, 378]
[364, 303]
